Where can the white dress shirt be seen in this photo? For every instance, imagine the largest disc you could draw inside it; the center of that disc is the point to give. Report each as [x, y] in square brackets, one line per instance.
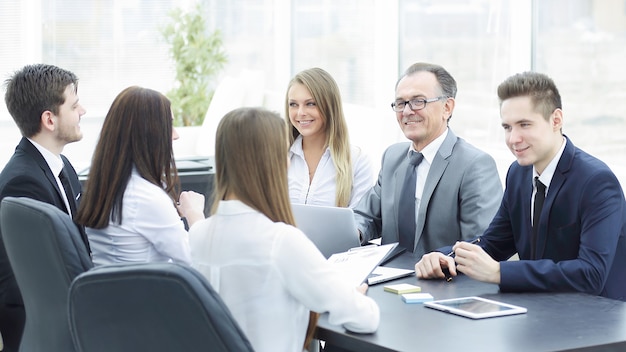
[151, 229]
[270, 275]
[321, 190]
[545, 178]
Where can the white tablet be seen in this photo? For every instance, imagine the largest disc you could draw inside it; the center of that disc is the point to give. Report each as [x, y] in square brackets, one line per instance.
[475, 307]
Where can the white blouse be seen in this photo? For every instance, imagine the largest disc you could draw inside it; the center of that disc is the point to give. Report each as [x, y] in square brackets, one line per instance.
[151, 229]
[270, 275]
[321, 190]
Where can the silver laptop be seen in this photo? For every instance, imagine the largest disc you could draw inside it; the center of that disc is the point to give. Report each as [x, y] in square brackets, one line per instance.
[331, 229]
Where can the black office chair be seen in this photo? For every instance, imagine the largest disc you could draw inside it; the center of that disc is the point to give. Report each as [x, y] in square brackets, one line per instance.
[150, 307]
[46, 253]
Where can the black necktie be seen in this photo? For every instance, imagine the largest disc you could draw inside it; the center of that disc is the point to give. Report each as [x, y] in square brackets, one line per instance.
[71, 200]
[406, 204]
[540, 196]
[68, 192]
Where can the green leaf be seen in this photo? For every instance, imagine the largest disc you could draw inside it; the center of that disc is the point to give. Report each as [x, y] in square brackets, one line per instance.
[198, 55]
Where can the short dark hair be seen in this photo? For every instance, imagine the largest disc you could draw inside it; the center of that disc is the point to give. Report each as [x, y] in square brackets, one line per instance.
[538, 86]
[33, 90]
[445, 79]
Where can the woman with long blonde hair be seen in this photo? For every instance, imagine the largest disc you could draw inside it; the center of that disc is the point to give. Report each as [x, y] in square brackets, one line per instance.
[270, 275]
[324, 168]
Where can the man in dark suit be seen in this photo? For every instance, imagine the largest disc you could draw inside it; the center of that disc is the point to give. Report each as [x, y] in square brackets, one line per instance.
[575, 240]
[456, 189]
[43, 101]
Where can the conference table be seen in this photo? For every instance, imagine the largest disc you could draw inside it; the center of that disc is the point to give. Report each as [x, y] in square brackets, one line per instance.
[554, 321]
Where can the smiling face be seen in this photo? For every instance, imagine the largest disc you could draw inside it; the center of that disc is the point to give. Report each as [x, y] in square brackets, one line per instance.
[304, 113]
[425, 125]
[530, 137]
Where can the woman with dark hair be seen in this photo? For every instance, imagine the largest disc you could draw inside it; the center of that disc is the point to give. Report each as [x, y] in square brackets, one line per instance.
[270, 275]
[130, 206]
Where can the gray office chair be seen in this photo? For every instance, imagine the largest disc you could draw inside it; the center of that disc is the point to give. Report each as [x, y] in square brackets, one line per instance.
[150, 307]
[46, 253]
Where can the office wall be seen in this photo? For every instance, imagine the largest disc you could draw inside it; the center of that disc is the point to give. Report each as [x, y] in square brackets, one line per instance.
[365, 44]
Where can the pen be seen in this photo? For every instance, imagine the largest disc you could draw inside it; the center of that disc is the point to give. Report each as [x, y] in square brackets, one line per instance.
[451, 254]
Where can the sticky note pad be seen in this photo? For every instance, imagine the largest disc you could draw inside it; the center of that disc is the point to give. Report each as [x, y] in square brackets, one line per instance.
[402, 288]
[417, 297]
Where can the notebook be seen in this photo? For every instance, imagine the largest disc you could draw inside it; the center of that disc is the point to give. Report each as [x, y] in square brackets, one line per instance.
[331, 229]
[384, 274]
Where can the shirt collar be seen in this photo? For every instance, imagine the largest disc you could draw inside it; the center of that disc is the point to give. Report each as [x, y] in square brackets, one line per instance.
[296, 147]
[55, 163]
[233, 207]
[548, 173]
[432, 148]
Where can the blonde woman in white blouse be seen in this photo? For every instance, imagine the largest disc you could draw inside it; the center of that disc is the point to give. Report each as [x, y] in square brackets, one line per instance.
[324, 168]
[270, 275]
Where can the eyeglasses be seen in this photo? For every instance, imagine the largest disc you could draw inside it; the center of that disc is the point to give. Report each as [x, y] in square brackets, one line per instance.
[414, 104]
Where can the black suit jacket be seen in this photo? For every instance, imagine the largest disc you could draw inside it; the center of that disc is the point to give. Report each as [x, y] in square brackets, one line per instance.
[28, 175]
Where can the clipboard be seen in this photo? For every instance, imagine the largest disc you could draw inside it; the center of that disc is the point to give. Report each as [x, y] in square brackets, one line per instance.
[358, 263]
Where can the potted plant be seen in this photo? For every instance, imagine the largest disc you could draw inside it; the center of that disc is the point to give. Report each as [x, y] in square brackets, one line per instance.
[198, 56]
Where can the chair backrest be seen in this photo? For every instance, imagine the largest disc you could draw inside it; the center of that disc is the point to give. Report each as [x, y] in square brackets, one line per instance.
[46, 253]
[150, 307]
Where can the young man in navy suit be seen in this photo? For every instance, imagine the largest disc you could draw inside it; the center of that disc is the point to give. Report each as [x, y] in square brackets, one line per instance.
[579, 240]
[43, 101]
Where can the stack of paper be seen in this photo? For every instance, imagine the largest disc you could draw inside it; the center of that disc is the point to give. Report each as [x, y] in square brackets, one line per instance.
[358, 263]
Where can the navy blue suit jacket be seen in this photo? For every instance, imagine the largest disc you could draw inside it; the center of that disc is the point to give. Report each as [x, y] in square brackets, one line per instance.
[581, 243]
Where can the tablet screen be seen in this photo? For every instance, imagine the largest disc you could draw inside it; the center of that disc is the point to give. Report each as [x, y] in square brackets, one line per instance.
[475, 307]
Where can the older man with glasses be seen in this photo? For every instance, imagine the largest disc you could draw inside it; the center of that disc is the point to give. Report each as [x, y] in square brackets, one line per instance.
[437, 188]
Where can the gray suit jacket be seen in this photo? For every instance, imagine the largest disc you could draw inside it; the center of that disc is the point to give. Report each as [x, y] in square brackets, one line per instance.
[461, 196]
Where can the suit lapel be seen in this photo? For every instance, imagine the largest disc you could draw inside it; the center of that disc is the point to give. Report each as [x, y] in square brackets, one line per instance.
[526, 185]
[439, 165]
[558, 180]
[71, 178]
[32, 151]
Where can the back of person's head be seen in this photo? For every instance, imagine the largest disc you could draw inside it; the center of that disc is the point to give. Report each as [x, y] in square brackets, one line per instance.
[137, 132]
[251, 162]
[251, 165]
[34, 89]
[325, 92]
[539, 87]
[445, 79]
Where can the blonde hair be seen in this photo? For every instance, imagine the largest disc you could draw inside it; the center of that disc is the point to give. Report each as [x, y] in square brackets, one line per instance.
[326, 94]
[251, 163]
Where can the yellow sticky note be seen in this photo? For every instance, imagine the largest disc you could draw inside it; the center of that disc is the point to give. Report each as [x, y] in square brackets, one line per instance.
[402, 288]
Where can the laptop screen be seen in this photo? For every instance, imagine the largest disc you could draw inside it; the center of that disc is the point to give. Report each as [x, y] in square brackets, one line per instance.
[331, 229]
